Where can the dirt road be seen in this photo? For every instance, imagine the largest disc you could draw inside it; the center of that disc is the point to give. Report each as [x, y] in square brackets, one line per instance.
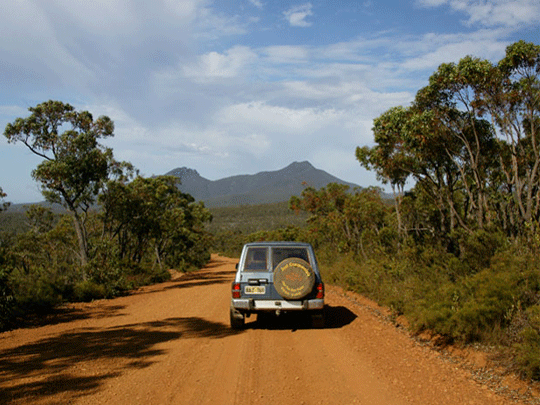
[171, 344]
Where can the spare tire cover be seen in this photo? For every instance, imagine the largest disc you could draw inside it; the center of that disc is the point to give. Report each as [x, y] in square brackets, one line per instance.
[293, 278]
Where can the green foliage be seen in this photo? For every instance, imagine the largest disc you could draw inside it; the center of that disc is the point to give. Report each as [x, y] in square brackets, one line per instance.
[75, 166]
[253, 218]
[6, 294]
[13, 222]
[229, 243]
[528, 351]
[151, 217]
[88, 290]
[471, 309]
[7, 299]
[351, 222]
[44, 268]
[476, 249]
[465, 286]
[464, 255]
[447, 142]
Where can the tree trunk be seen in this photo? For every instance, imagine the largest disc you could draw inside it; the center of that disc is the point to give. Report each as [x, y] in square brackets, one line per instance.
[83, 243]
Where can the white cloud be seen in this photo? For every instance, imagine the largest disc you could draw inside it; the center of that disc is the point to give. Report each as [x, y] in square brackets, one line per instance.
[492, 13]
[257, 3]
[432, 50]
[286, 54]
[186, 9]
[431, 3]
[254, 143]
[277, 118]
[220, 65]
[99, 17]
[31, 49]
[297, 15]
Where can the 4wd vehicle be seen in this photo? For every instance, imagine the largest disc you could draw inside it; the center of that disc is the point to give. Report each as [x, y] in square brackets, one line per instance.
[277, 277]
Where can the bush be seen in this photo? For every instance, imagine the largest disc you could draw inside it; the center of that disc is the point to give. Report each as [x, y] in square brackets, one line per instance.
[528, 350]
[476, 249]
[36, 292]
[106, 270]
[482, 306]
[7, 300]
[87, 291]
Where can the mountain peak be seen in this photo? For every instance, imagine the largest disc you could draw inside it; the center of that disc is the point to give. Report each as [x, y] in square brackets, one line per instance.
[298, 167]
[183, 173]
[305, 165]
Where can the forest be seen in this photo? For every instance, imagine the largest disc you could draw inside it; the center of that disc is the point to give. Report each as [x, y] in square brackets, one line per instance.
[456, 251]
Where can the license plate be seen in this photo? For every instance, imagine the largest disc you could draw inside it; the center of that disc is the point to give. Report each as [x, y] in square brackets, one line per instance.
[255, 289]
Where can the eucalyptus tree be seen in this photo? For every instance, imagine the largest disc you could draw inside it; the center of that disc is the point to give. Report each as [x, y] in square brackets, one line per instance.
[391, 159]
[75, 165]
[410, 143]
[513, 102]
[452, 100]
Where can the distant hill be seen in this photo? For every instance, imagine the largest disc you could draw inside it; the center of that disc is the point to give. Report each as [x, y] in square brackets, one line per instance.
[251, 189]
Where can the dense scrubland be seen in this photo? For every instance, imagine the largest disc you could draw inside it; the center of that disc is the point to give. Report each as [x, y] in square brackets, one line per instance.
[457, 254]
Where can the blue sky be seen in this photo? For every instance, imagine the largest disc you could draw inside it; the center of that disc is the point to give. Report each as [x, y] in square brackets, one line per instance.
[236, 86]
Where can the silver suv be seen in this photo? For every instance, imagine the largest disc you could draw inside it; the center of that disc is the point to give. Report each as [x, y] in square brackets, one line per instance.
[277, 277]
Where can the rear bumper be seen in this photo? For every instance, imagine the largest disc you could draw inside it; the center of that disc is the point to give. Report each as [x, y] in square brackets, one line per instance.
[253, 305]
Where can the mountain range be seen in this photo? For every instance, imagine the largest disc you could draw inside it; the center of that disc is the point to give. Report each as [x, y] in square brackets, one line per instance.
[248, 189]
[251, 189]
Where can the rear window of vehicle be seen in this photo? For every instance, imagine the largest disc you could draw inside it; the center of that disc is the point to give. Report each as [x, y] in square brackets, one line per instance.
[281, 253]
[256, 258]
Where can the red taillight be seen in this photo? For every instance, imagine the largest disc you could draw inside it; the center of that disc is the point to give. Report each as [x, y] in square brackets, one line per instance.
[320, 291]
[236, 290]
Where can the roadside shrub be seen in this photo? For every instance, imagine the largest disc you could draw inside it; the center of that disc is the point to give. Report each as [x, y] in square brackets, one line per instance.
[88, 290]
[528, 351]
[37, 291]
[144, 274]
[476, 249]
[338, 271]
[158, 275]
[481, 306]
[7, 300]
[106, 270]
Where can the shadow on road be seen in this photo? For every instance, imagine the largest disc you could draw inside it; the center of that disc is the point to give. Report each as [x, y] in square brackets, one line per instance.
[335, 318]
[201, 278]
[70, 313]
[218, 261]
[77, 363]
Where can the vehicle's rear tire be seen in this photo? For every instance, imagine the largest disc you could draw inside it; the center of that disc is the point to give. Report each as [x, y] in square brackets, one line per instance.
[294, 278]
[238, 319]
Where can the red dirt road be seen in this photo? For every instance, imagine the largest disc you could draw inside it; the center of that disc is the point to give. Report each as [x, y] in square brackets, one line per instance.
[171, 344]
